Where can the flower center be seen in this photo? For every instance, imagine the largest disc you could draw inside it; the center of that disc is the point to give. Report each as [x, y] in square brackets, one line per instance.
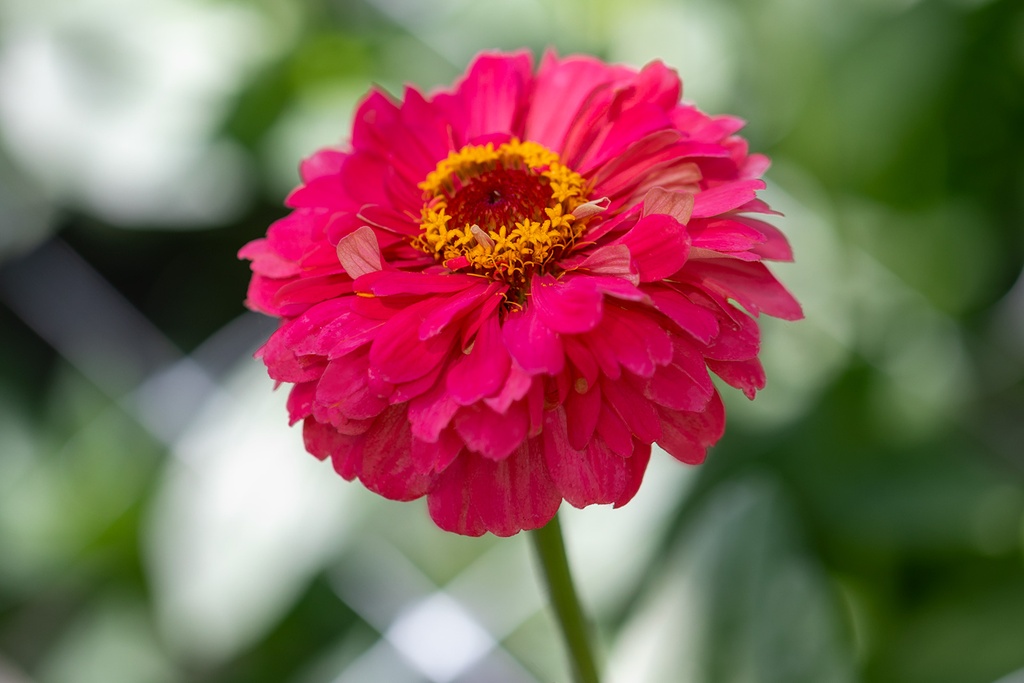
[505, 212]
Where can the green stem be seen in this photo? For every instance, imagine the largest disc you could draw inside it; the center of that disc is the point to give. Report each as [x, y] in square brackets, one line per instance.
[551, 551]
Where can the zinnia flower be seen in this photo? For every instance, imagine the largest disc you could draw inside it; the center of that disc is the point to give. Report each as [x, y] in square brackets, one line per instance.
[500, 295]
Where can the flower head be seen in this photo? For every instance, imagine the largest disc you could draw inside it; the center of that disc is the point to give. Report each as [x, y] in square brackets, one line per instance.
[501, 295]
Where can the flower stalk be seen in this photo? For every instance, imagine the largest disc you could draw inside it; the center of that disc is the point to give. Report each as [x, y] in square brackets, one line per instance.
[550, 548]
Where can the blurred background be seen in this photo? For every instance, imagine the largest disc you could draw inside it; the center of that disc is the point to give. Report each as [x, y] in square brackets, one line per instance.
[863, 520]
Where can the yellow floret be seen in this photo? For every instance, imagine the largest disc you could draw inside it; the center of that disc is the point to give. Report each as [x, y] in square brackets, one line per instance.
[517, 249]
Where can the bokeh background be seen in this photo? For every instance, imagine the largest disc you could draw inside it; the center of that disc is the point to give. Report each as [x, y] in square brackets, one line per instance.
[863, 520]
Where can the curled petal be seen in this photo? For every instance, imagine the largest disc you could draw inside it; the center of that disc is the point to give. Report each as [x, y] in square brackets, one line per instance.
[359, 253]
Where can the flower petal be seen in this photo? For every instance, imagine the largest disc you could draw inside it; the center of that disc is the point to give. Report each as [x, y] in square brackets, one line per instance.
[535, 346]
[475, 495]
[697, 320]
[483, 371]
[687, 436]
[568, 305]
[725, 198]
[613, 260]
[679, 205]
[382, 459]
[591, 475]
[516, 387]
[562, 87]
[343, 388]
[640, 416]
[399, 355]
[747, 375]
[658, 244]
[582, 409]
[751, 284]
[359, 253]
[673, 388]
[492, 96]
[323, 441]
[431, 412]
[492, 434]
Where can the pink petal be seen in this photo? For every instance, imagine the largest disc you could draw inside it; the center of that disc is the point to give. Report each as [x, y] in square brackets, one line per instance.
[536, 403]
[298, 295]
[382, 459]
[613, 260]
[475, 495]
[431, 412]
[658, 244]
[725, 235]
[386, 218]
[343, 388]
[656, 84]
[739, 338]
[428, 128]
[322, 440]
[751, 284]
[636, 411]
[284, 365]
[637, 464]
[535, 346]
[491, 434]
[332, 329]
[481, 372]
[569, 305]
[267, 261]
[582, 410]
[690, 317]
[587, 476]
[775, 246]
[562, 88]
[300, 401]
[633, 124]
[673, 388]
[406, 391]
[436, 456]
[613, 430]
[458, 306]
[687, 436]
[636, 339]
[618, 288]
[394, 282]
[599, 346]
[493, 94]
[747, 375]
[715, 128]
[628, 168]
[375, 110]
[400, 355]
[689, 357]
[679, 205]
[325, 162]
[516, 387]
[358, 252]
[325, 192]
[581, 359]
[725, 198]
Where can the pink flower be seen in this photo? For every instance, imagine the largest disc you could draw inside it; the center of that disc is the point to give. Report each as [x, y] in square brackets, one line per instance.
[500, 295]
